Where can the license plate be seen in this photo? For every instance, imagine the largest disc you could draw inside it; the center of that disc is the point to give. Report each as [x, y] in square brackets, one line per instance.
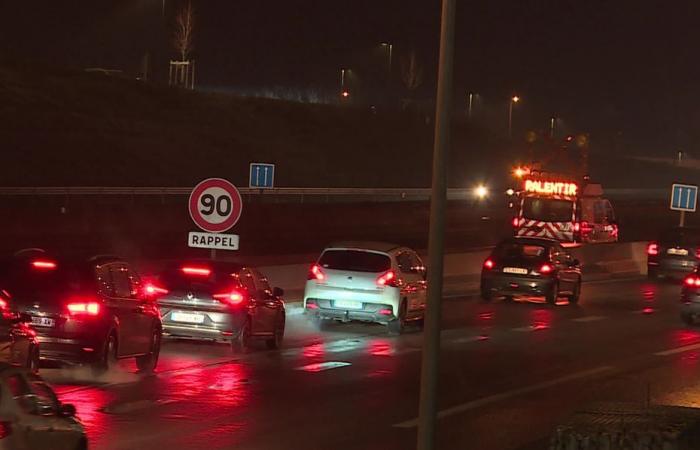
[43, 322]
[347, 304]
[677, 251]
[517, 270]
[187, 317]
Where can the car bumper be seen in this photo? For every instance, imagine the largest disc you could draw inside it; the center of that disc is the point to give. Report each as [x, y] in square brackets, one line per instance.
[511, 285]
[674, 268]
[223, 327]
[370, 312]
[372, 306]
[69, 351]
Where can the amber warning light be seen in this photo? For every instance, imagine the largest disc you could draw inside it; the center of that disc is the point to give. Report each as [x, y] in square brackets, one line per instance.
[551, 187]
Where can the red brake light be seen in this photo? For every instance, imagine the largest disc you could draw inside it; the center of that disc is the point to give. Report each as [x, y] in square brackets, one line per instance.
[653, 249]
[516, 222]
[697, 252]
[83, 308]
[5, 429]
[692, 281]
[42, 264]
[388, 278]
[488, 264]
[577, 227]
[152, 290]
[197, 271]
[230, 298]
[546, 268]
[316, 273]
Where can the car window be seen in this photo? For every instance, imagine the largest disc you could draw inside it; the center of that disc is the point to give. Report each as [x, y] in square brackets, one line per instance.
[134, 284]
[416, 262]
[355, 260]
[104, 280]
[20, 279]
[120, 278]
[247, 280]
[598, 212]
[548, 209]
[261, 282]
[404, 262]
[520, 250]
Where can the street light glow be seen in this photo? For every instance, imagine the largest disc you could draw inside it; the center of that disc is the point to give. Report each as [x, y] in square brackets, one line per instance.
[515, 99]
[481, 191]
[510, 192]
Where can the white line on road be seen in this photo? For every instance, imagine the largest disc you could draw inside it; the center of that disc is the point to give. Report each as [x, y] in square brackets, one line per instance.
[320, 367]
[504, 395]
[531, 328]
[674, 351]
[464, 340]
[589, 318]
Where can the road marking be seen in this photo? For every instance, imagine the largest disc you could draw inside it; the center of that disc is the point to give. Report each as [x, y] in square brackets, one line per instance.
[674, 351]
[614, 280]
[464, 340]
[320, 367]
[536, 327]
[505, 395]
[589, 318]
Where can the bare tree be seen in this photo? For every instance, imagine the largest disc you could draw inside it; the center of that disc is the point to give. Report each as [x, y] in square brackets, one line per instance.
[412, 72]
[184, 28]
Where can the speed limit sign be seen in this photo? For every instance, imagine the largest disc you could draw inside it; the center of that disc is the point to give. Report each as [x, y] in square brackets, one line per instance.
[215, 205]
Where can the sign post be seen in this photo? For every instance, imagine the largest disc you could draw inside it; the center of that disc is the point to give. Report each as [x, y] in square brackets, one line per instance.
[684, 198]
[215, 205]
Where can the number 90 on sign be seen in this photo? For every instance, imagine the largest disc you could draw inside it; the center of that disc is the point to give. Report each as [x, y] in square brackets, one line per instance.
[215, 205]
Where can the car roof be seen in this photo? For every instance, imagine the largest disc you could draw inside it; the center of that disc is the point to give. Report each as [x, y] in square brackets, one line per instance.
[364, 245]
[531, 240]
[217, 265]
[74, 258]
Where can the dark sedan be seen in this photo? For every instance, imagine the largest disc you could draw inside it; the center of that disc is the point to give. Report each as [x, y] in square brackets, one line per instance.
[531, 267]
[675, 254]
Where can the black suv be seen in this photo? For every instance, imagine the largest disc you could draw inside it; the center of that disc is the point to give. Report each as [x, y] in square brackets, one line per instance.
[84, 310]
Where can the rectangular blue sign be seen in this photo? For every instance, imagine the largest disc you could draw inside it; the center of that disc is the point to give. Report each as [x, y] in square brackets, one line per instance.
[684, 197]
[262, 176]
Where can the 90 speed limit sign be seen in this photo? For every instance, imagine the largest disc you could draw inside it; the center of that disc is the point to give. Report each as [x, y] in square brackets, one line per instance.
[215, 205]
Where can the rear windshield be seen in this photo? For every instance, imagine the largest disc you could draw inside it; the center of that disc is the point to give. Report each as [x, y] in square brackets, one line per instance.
[681, 236]
[548, 209]
[355, 261]
[516, 250]
[175, 278]
[22, 280]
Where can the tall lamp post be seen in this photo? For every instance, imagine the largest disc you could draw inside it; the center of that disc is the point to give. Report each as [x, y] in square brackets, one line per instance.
[390, 46]
[513, 100]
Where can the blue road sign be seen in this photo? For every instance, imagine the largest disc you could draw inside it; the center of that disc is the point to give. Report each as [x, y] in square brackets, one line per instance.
[262, 176]
[684, 197]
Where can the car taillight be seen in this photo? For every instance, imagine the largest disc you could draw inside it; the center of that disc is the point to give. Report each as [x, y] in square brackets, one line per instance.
[577, 227]
[546, 268]
[488, 264]
[83, 308]
[692, 281]
[43, 264]
[653, 249]
[151, 290]
[516, 222]
[5, 429]
[388, 278]
[232, 298]
[196, 271]
[316, 273]
[697, 252]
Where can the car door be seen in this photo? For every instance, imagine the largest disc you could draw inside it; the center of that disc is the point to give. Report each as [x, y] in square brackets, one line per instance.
[38, 415]
[412, 281]
[562, 261]
[146, 312]
[269, 306]
[126, 310]
[248, 282]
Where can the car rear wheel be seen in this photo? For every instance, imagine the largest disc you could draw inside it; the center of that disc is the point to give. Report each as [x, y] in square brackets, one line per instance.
[486, 294]
[398, 325]
[108, 358]
[276, 341]
[33, 360]
[553, 294]
[573, 298]
[147, 363]
[241, 342]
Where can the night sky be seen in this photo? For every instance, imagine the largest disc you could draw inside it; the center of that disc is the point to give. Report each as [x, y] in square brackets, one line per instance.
[625, 68]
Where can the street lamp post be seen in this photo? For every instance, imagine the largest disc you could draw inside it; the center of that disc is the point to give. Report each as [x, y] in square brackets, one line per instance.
[391, 50]
[552, 122]
[513, 100]
[469, 111]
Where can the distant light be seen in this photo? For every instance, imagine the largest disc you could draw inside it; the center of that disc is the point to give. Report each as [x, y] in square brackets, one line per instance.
[345, 94]
[510, 192]
[481, 191]
[521, 171]
[515, 99]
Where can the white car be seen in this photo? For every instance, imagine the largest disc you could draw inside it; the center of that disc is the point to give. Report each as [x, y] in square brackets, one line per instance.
[367, 281]
[31, 416]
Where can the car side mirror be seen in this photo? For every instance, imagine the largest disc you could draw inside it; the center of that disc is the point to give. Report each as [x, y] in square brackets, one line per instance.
[277, 292]
[67, 410]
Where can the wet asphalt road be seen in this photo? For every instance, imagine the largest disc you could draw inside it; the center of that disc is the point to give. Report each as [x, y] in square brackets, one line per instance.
[509, 374]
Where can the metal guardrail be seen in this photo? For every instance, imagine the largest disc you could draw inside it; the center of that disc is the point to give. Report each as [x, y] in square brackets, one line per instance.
[386, 193]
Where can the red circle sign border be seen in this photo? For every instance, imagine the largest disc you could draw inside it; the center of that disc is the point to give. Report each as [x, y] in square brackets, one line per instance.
[236, 198]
